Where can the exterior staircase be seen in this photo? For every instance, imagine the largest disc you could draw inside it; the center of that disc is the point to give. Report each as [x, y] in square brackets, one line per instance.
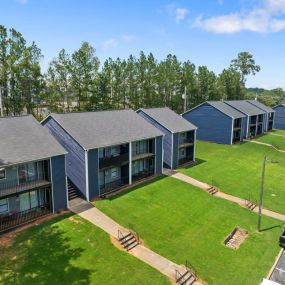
[212, 190]
[128, 241]
[188, 277]
[72, 191]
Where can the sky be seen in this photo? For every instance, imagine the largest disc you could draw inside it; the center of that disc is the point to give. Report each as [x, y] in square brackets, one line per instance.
[206, 32]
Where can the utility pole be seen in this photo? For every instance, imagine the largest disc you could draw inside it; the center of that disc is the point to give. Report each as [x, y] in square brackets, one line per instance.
[261, 193]
[265, 160]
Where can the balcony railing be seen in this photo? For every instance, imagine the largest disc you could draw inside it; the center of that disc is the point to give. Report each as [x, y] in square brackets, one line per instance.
[142, 174]
[14, 219]
[186, 143]
[120, 159]
[14, 186]
[184, 160]
[142, 156]
[111, 186]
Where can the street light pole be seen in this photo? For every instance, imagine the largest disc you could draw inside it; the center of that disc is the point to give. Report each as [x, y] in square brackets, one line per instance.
[262, 190]
[261, 193]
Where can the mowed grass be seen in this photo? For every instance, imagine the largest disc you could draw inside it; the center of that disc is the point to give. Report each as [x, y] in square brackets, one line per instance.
[182, 222]
[236, 169]
[274, 139]
[279, 132]
[69, 250]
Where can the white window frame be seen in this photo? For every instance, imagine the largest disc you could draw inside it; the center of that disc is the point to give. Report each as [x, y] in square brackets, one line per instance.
[3, 169]
[7, 204]
[114, 170]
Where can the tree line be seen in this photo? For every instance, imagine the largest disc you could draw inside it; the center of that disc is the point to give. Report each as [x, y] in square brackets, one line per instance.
[78, 82]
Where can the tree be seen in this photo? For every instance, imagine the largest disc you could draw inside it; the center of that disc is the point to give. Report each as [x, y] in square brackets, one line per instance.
[245, 65]
[84, 71]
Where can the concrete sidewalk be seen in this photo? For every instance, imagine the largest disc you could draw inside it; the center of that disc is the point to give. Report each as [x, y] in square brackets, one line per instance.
[240, 201]
[90, 213]
[266, 144]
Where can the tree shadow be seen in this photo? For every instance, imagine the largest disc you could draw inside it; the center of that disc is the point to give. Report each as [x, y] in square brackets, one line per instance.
[270, 228]
[43, 255]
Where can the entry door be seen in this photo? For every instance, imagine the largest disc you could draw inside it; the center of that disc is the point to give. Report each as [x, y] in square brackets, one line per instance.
[24, 202]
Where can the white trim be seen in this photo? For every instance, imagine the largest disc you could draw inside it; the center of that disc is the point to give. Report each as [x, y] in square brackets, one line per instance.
[86, 176]
[162, 153]
[256, 124]
[194, 148]
[232, 134]
[171, 157]
[247, 127]
[155, 157]
[98, 172]
[66, 187]
[51, 180]
[130, 163]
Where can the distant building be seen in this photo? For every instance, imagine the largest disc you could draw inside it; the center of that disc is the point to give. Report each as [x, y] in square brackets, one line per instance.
[269, 117]
[217, 122]
[279, 117]
[180, 135]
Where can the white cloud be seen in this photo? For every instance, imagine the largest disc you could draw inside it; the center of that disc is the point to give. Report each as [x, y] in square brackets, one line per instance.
[265, 18]
[128, 38]
[22, 2]
[179, 13]
[108, 44]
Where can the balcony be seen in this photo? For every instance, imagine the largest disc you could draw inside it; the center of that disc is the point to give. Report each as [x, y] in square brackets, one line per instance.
[13, 187]
[114, 185]
[142, 174]
[121, 159]
[186, 143]
[14, 219]
[142, 156]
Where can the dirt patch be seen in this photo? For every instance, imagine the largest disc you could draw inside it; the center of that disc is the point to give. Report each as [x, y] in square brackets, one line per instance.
[75, 220]
[235, 238]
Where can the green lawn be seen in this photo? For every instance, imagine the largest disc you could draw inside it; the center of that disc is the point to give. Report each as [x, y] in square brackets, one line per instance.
[279, 132]
[69, 250]
[277, 141]
[236, 169]
[182, 222]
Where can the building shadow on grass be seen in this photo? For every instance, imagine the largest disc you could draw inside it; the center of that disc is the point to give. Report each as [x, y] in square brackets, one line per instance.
[197, 162]
[43, 255]
[137, 187]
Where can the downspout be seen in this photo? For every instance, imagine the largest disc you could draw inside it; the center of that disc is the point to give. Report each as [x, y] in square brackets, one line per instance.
[86, 175]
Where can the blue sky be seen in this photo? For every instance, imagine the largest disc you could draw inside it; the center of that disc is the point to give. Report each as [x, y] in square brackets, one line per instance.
[206, 32]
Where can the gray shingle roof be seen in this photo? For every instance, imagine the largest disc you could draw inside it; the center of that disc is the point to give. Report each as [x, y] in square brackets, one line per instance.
[261, 106]
[24, 139]
[226, 109]
[169, 119]
[106, 128]
[283, 105]
[245, 107]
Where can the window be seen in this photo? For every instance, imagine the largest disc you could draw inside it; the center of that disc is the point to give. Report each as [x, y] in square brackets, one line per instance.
[115, 150]
[4, 205]
[2, 173]
[114, 172]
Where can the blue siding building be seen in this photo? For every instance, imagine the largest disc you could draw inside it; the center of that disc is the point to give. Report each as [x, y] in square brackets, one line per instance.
[217, 122]
[107, 150]
[255, 124]
[32, 172]
[179, 135]
[279, 117]
[269, 114]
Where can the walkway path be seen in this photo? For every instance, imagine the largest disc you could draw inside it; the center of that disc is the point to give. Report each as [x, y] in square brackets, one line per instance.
[277, 135]
[223, 195]
[88, 212]
[266, 144]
